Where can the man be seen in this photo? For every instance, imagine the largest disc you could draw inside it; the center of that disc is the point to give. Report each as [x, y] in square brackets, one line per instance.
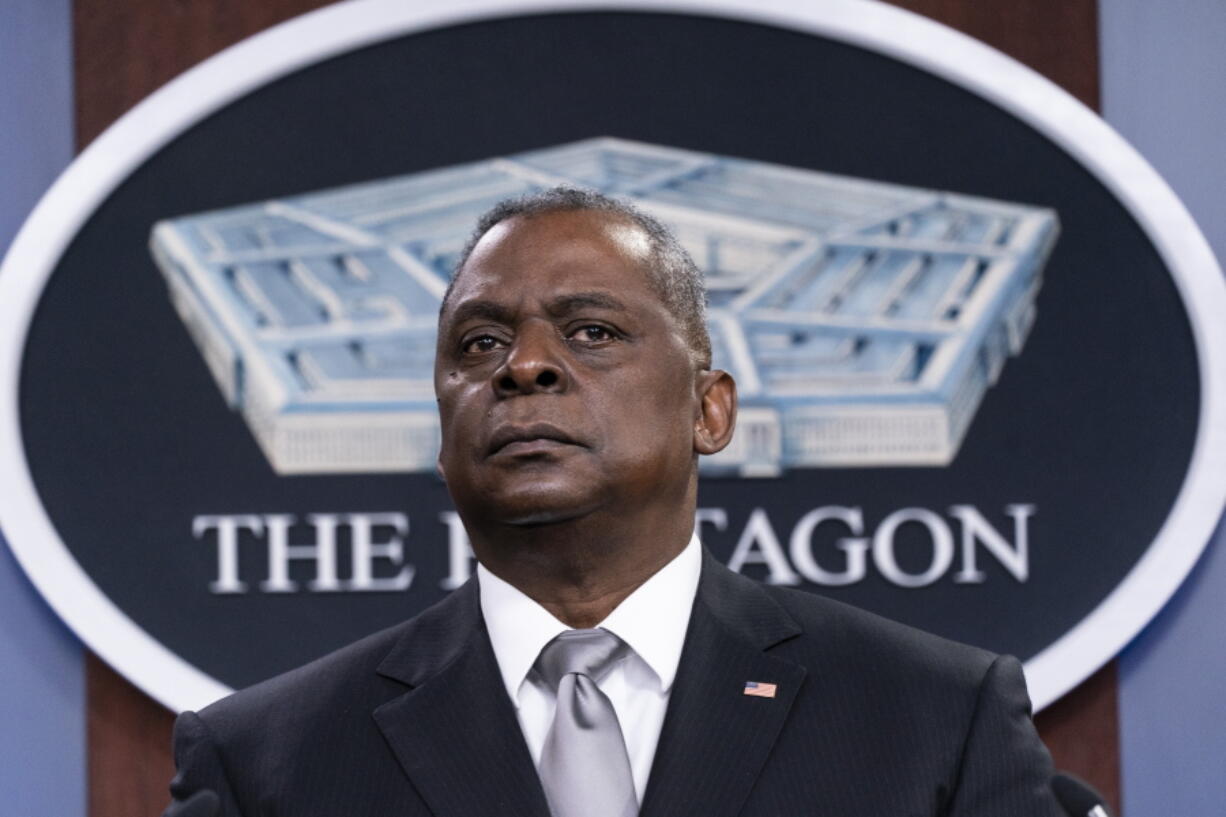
[575, 391]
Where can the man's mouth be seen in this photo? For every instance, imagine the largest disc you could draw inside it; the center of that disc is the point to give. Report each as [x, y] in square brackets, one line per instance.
[527, 439]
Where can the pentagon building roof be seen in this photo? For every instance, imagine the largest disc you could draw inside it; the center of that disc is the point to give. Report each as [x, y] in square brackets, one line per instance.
[863, 321]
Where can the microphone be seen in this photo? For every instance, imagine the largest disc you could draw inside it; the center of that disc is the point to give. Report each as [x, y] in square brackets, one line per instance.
[1077, 797]
[203, 803]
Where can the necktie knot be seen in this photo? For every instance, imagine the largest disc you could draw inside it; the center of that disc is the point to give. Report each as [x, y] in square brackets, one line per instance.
[585, 770]
[584, 652]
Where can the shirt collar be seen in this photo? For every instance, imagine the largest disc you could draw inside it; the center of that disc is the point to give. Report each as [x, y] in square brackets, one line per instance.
[652, 620]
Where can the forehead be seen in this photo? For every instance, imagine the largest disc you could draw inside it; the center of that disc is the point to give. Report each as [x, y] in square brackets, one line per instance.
[549, 253]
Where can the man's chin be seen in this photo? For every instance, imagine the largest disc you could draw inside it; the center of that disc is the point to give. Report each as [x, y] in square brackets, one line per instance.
[537, 517]
[533, 508]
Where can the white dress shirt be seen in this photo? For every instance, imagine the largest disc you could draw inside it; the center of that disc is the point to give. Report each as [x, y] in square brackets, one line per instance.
[652, 621]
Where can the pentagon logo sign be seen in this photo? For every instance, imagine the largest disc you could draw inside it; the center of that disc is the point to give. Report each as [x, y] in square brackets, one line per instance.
[862, 321]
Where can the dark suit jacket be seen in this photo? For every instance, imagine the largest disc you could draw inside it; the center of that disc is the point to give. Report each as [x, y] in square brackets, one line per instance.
[871, 718]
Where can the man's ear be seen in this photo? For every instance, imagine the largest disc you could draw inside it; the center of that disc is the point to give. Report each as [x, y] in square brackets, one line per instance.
[716, 419]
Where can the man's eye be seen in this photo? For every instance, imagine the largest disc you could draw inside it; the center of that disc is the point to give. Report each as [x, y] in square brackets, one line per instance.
[592, 333]
[482, 343]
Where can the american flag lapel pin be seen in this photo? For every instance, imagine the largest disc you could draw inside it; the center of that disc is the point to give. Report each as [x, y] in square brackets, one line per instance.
[759, 689]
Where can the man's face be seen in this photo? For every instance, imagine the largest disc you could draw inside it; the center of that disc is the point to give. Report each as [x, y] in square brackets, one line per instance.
[565, 387]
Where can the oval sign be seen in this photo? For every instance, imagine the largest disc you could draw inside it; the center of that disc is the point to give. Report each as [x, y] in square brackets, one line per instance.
[984, 389]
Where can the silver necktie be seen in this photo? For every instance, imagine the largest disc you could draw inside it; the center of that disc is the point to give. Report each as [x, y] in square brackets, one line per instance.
[584, 768]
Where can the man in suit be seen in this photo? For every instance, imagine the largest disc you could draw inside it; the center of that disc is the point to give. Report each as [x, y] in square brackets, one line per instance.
[576, 395]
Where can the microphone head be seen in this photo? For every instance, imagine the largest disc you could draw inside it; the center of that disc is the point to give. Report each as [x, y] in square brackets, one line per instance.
[1077, 797]
[203, 803]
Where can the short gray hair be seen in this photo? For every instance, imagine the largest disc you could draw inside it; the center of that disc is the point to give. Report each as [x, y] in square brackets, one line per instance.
[672, 273]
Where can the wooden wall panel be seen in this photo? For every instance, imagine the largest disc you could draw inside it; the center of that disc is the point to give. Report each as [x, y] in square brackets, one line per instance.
[128, 737]
[1057, 38]
[1082, 729]
[125, 49]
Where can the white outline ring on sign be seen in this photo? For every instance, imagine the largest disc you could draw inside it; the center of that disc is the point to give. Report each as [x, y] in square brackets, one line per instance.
[868, 24]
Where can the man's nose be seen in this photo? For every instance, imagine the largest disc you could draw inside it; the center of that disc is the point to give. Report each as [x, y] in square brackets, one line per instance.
[535, 362]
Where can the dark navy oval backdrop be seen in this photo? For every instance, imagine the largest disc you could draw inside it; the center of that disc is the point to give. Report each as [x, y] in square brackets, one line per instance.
[129, 439]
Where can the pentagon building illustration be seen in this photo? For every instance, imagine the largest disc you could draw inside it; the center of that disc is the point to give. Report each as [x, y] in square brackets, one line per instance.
[863, 321]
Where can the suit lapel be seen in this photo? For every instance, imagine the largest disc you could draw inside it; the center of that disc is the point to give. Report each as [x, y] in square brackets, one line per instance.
[455, 732]
[715, 739]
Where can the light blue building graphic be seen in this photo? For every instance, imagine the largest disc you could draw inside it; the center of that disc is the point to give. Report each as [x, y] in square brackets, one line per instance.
[863, 321]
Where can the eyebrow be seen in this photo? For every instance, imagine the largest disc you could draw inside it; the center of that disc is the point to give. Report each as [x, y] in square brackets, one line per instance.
[558, 307]
[566, 304]
[488, 310]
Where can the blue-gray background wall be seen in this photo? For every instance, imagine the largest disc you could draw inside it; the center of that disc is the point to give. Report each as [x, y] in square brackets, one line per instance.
[42, 677]
[1163, 87]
